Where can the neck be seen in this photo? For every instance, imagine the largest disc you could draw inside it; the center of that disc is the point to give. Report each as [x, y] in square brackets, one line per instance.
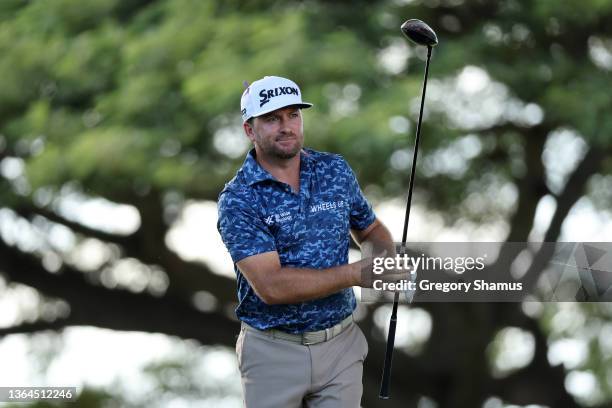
[284, 170]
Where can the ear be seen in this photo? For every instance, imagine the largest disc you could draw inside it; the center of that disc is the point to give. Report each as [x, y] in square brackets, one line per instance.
[248, 131]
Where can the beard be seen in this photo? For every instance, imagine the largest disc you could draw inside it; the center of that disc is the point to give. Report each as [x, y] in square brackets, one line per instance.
[273, 149]
[285, 154]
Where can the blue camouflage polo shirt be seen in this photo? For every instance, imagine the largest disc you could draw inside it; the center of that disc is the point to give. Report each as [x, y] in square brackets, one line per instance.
[309, 229]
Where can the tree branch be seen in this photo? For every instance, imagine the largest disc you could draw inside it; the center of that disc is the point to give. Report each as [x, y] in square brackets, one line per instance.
[28, 211]
[573, 190]
[185, 276]
[117, 309]
[38, 326]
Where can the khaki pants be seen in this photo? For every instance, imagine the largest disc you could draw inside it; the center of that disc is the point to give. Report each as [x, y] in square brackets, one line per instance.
[279, 373]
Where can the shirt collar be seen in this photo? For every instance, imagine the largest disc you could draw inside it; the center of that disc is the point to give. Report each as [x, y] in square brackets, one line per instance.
[254, 173]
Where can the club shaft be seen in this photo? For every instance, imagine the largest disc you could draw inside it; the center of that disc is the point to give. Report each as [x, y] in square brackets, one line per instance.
[386, 378]
[416, 151]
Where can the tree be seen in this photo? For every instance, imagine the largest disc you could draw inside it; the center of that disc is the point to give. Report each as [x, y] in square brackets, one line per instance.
[135, 103]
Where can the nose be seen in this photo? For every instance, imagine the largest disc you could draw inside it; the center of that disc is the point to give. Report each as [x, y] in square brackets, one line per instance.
[284, 126]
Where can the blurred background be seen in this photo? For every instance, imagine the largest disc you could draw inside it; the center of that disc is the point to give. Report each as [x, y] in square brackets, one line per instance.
[120, 124]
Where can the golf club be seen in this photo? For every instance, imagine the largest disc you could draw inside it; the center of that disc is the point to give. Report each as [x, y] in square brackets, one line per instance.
[421, 34]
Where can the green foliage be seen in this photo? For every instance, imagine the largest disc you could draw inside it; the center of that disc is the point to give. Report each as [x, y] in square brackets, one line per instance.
[107, 86]
[126, 97]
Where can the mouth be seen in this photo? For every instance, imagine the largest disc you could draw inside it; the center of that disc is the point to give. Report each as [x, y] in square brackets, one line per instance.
[286, 141]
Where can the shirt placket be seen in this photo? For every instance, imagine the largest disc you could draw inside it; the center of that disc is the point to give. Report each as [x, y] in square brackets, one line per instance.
[305, 185]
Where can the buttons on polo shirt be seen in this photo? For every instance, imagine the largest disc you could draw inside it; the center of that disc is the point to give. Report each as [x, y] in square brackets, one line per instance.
[287, 188]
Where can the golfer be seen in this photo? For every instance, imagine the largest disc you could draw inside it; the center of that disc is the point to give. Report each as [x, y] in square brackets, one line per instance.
[286, 219]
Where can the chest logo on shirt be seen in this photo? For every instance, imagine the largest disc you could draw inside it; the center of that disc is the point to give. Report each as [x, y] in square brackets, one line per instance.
[279, 218]
[327, 206]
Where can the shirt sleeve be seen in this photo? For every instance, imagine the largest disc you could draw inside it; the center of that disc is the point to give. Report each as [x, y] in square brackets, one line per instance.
[361, 213]
[242, 230]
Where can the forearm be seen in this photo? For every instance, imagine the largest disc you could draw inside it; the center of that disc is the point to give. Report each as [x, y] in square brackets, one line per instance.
[379, 239]
[294, 285]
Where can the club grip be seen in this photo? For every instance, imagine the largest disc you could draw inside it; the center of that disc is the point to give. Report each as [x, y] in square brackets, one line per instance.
[386, 377]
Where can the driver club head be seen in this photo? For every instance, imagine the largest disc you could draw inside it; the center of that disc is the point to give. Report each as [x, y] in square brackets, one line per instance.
[419, 32]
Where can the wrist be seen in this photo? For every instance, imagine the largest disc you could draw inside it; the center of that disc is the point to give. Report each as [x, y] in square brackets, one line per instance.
[356, 272]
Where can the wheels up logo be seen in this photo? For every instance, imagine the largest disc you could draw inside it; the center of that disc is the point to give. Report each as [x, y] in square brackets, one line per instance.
[266, 94]
[326, 206]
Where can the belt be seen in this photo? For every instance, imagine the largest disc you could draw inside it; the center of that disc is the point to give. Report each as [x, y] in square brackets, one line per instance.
[309, 338]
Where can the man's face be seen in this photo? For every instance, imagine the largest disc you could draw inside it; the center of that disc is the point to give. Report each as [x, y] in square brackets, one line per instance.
[278, 134]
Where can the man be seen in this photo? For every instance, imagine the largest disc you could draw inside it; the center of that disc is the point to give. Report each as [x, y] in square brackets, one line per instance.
[286, 219]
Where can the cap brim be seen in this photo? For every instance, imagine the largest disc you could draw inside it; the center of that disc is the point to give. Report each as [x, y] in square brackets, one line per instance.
[303, 105]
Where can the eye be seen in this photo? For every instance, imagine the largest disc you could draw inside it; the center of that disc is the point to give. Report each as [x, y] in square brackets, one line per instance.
[271, 118]
[294, 114]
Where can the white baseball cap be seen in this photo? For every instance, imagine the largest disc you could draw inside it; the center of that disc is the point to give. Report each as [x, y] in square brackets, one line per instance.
[268, 94]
